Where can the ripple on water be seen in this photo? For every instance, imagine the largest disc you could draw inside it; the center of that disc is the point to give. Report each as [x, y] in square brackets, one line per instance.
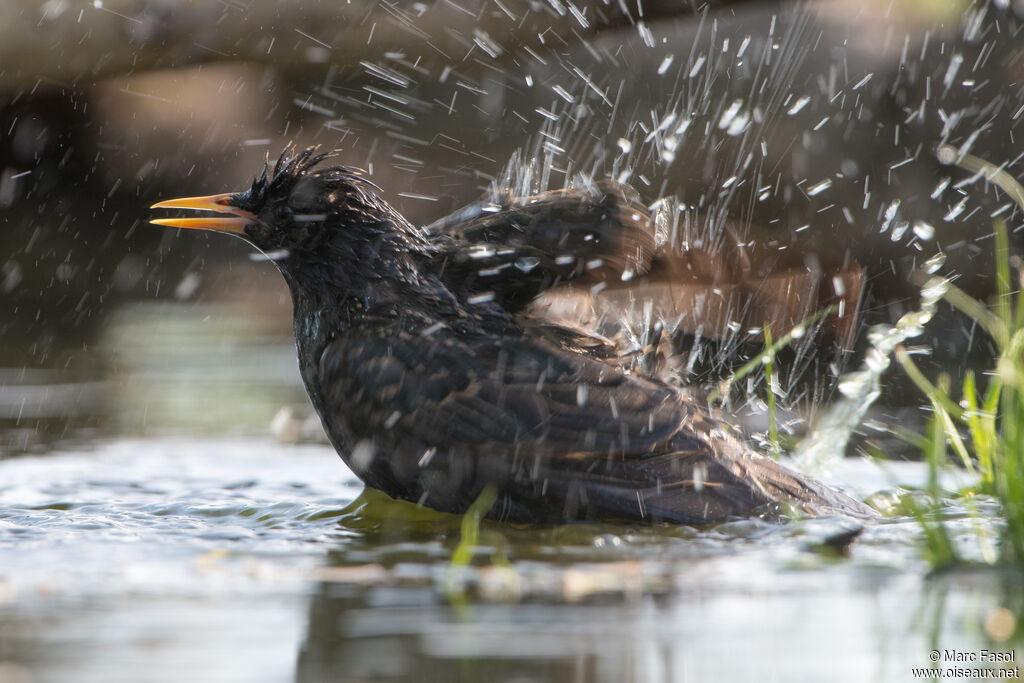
[130, 532]
[254, 495]
[165, 499]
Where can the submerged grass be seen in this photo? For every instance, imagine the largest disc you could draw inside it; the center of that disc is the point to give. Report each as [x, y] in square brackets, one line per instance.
[993, 419]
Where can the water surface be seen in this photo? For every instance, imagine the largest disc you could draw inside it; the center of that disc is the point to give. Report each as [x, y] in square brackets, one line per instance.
[241, 559]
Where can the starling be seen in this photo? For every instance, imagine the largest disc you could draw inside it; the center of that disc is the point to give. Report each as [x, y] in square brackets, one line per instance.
[436, 374]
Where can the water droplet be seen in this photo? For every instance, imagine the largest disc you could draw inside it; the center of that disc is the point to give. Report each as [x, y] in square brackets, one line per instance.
[818, 188]
[527, 263]
[923, 230]
[798, 105]
[934, 263]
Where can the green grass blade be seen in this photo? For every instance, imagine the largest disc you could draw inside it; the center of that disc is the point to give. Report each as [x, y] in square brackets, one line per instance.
[949, 428]
[976, 310]
[939, 548]
[471, 526]
[721, 392]
[1003, 308]
[927, 388]
[993, 173]
[981, 426]
[769, 367]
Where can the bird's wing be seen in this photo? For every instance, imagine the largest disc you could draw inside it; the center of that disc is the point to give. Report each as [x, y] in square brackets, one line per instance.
[522, 246]
[565, 436]
[601, 242]
[568, 336]
[495, 393]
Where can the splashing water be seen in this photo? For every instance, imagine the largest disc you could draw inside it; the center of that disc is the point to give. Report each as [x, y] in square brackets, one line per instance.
[859, 389]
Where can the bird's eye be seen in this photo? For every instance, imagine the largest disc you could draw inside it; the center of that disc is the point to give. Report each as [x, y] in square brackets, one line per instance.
[283, 212]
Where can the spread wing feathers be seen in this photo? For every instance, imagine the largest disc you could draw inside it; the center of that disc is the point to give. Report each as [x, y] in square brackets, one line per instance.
[498, 394]
[568, 336]
[520, 247]
[740, 283]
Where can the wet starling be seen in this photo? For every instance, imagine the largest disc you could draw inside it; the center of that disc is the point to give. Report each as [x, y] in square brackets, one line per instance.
[435, 374]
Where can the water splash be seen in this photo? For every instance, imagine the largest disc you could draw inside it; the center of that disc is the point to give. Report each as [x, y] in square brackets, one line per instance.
[859, 389]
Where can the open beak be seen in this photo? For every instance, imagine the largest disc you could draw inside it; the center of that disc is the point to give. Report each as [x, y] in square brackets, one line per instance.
[215, 202]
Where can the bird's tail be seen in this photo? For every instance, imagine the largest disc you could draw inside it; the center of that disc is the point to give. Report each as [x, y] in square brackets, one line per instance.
[686, 486]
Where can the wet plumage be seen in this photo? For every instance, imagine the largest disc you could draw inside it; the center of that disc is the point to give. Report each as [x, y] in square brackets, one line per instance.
[435, 374]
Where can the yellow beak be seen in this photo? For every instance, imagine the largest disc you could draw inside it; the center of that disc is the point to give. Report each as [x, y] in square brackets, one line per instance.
[215, 202]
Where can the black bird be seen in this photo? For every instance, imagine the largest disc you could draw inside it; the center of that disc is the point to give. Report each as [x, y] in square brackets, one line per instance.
[435, 378]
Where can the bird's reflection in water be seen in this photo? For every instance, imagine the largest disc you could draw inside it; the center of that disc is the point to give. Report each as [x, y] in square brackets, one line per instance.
[576, 602]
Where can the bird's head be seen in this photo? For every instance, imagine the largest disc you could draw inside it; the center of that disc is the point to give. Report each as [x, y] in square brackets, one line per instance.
[296, 213]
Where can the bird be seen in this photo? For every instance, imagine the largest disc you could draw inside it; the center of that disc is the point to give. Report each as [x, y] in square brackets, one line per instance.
[437, 377]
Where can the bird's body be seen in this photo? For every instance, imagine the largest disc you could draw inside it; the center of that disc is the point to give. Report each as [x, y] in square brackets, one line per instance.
[435, 378]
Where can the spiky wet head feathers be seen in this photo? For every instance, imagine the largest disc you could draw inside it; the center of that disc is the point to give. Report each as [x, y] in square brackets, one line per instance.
[291, 167]
[329, 217]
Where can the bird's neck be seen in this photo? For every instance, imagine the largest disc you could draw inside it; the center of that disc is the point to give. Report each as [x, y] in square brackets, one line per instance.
[326, 309]
[376, 256]
[347, 284]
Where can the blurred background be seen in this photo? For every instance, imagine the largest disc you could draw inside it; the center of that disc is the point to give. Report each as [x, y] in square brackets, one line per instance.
[142, 370]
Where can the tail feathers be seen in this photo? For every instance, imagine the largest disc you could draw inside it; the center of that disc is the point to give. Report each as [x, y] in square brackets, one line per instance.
[784, 485]
[680, 488]
[721, 487]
